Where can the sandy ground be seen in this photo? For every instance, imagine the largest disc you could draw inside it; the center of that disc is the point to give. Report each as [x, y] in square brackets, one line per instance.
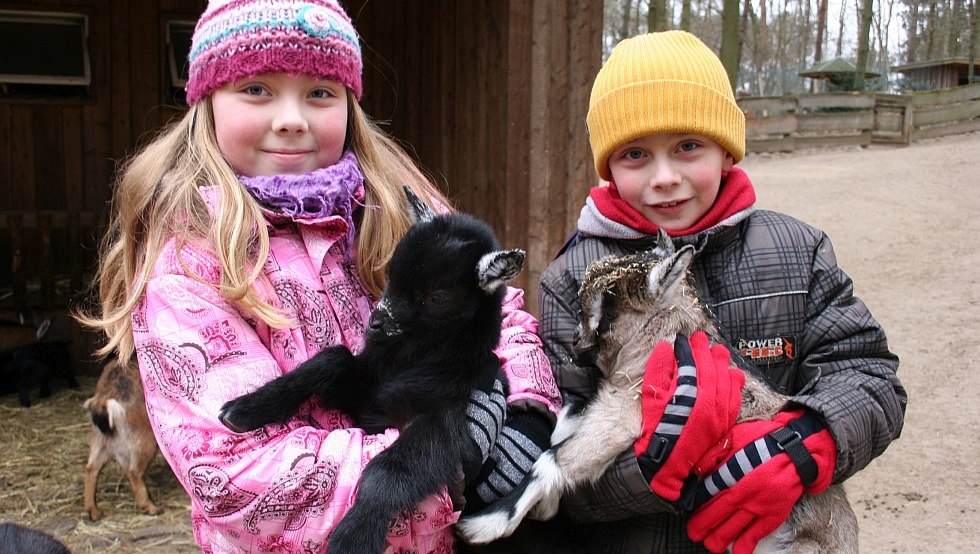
[904, 222]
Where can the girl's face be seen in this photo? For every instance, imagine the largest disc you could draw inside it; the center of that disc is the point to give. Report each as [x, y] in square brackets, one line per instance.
[276, 124]
[672, 179]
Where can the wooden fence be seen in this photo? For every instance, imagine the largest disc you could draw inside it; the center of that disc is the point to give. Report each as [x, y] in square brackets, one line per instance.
[787, 123]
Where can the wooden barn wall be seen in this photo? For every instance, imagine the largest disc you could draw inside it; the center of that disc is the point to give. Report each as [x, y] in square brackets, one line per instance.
[492, 95]
[58, 157]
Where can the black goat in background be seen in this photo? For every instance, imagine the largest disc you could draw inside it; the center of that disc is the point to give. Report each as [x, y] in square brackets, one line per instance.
[429, 343]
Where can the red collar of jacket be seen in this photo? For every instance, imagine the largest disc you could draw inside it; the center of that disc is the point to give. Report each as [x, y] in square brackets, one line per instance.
[735, 194]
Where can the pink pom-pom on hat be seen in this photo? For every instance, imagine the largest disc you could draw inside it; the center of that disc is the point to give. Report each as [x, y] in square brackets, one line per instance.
[234, 39]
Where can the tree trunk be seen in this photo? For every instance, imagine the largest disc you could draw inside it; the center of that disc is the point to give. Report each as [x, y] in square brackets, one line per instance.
[974, 38]
[657, 19]
[840, 30]
[821, 31]
[686, 15]
[729, 39]
[864, 39]
[932, 49]
[913, 31]
[624, 28]
[956, 29]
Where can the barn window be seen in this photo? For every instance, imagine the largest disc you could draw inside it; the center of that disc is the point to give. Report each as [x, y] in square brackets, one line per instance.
[178, 47]
[44, 54]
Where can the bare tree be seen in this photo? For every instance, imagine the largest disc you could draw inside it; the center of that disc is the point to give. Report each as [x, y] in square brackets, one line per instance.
[864, 34]
[770, 41]
[730, 39]
[974, 39]
[913, 30]
[821, 31]
[686, 15]
[840, 30]
[658, 16]
[932, 21]
[956, 28]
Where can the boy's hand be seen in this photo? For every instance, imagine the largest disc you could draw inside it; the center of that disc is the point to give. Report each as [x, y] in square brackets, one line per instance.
[691, 389]
[754, 491]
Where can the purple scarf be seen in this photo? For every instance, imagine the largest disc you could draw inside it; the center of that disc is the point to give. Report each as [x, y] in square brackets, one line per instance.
[329, 191]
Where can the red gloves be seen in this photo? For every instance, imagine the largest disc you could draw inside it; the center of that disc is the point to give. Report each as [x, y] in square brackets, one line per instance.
[693, 389]
[754, 490]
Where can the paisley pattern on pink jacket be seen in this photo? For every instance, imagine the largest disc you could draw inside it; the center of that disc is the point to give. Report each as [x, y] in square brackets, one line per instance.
[283, 488]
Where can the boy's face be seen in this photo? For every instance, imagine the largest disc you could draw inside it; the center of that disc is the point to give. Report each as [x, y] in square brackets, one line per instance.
[671, 179]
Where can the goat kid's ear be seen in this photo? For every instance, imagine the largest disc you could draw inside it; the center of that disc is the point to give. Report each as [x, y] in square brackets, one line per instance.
[665, 246]
[420, 211]
[671, 272]
[596, 306]
[499, 266]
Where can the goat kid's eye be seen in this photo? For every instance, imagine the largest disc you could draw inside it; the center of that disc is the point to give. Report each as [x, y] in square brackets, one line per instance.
[439, 298]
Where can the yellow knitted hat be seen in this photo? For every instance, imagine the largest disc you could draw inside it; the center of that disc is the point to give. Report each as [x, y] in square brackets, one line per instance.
[667, 82]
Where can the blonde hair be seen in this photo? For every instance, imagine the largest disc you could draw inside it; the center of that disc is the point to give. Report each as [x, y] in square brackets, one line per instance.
[156, 199]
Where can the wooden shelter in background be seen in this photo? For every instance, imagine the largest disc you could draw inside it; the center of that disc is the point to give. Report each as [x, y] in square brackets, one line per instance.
[491, 94]
[939, 74]
[834, 75]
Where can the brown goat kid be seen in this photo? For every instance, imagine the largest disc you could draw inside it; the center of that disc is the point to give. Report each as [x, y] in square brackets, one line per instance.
[638, 301]
[121, 431]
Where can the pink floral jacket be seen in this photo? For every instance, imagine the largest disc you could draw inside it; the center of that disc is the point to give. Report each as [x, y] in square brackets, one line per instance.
[283, 488]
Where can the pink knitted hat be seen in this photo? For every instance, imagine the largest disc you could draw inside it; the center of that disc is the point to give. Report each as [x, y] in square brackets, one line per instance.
[242, 38]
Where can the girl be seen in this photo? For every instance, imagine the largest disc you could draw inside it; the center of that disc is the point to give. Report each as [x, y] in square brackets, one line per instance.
[250, 235]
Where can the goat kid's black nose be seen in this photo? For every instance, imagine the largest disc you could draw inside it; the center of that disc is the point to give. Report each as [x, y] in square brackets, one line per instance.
[376, 321]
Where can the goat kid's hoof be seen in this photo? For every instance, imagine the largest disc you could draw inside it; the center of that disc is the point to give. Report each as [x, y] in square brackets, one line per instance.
[229, 418]
[152, 510]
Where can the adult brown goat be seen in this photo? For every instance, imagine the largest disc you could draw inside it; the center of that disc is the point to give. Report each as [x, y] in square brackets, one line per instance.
[641, 300]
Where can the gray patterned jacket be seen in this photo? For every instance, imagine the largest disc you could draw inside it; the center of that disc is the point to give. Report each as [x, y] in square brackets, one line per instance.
[774, 289]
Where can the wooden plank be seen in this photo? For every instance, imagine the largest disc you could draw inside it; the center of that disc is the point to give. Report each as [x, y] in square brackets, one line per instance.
[15, 231]
[970, 126]
[835, 122]
[71, 159]
[887, 137]
[756, 146]
[49, 163]
[949, 113]
[6, 159]
[46, 266]
[517, 141]
[767, 105]
[586, 58]
[802, 142]
[145, 89]
[947, 96]
[121, 137]
[849, 100]
[97, 154]
[889, 119]
[772, 125]
[22, 157]
[544, 54]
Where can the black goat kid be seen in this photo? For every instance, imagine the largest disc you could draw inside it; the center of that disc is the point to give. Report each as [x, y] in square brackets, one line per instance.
[429, 343]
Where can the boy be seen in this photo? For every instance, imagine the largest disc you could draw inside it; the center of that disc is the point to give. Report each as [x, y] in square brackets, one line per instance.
[666, 133]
